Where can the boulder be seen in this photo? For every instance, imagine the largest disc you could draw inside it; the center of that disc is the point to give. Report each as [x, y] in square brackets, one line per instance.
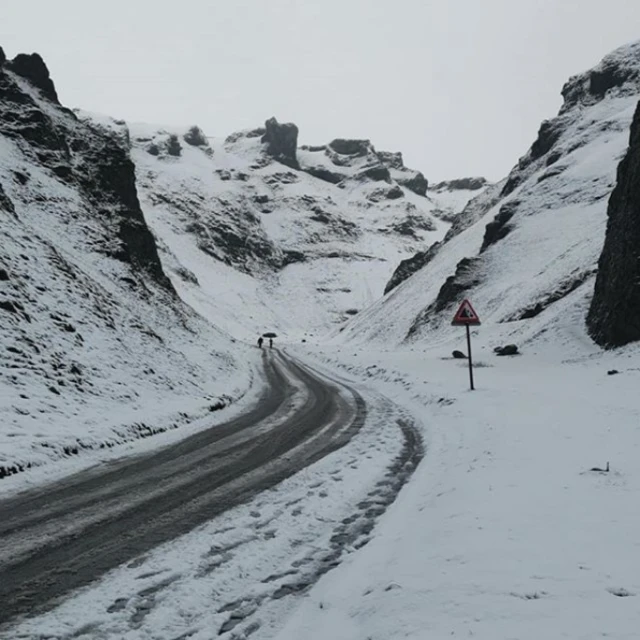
[282, 142]
[174, 148]
[458, 355]
[416, 183]
[195, 137]
[507, 350]
[377, 172]
[33, 68]
[499, 228]
[351, 147]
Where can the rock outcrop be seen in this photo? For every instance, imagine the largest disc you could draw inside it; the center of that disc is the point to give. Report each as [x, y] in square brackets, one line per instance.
[32, 67]
[282, 142]
[614, 316]
[93, 159]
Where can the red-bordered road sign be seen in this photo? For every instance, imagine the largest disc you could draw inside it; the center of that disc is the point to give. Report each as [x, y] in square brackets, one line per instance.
[465, 315]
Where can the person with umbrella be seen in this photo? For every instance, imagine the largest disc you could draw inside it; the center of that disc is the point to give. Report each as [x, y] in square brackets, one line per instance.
[271, 336]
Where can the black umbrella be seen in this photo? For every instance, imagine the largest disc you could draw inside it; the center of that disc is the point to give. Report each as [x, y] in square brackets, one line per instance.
[269, 335]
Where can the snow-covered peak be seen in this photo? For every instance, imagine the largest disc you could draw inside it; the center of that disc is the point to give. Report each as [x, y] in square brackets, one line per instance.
[617, 74]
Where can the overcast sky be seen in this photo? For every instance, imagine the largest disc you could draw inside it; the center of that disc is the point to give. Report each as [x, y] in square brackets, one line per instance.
[459, 86]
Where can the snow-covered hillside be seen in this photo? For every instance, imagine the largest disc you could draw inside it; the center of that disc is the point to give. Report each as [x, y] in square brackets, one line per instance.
[536, 249]
[295, 240]
[97, 348]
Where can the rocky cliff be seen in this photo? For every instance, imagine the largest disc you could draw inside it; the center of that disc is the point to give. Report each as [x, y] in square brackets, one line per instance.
[96, 347]
[614, 316]
[526, 251]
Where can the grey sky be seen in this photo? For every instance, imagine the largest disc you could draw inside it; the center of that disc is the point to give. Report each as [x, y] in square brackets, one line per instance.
[459, 86]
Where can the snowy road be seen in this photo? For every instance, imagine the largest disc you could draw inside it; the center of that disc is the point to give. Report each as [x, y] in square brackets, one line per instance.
[56, 541]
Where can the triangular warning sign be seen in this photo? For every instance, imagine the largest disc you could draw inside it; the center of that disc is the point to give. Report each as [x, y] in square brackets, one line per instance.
[465, 314]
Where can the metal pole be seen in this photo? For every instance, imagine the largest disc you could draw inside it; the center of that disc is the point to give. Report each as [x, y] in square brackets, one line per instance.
[470, 360]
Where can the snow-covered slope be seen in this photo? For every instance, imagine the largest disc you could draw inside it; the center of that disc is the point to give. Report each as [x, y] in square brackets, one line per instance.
[539, 243]
[97, 348]
[297, 240]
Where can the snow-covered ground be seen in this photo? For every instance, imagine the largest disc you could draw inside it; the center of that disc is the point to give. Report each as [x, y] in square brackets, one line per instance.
[504, 531]
[507, 529]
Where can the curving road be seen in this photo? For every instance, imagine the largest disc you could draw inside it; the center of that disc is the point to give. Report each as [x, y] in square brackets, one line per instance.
[56, 540]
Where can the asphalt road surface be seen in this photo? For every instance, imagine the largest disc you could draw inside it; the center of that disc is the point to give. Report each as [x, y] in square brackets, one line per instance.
[66, 535]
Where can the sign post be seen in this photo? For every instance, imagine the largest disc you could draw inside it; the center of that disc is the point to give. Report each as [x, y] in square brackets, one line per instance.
[466, 316]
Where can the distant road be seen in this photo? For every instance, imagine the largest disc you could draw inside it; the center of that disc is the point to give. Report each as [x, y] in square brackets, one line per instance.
[62, 537]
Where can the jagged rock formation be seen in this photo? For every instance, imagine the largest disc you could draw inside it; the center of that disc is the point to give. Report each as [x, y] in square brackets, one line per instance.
[93, 160]
[281, 141]
[346, 159]
[408, 267]
[614, 316]
[33, 68]
[470, 184]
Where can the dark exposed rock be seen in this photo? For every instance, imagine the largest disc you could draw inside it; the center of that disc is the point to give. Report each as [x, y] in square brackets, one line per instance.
[548, 134]
[21, 178]
[499, 228]
[376, 172]
[463, 279]
[324, 174]
[392, 159]
[106, 173]
[195, 137]
[174, 148]
[5, 202]
[62, 171]
[9, 306]
[252, 133]
[291, 257]
[409, 266]
[614, 316]
[506, 350]
[561, 291]
[553, 158]
[612, 372]
[469, 184]
[282, 142]
[512, 183]
[347, 147]
[153, 149]
[467, 275]
[33, 68]
[458, 355]
[616, 70]
[3, 57]
[416, 183]
[394, 193]
[4, 275]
